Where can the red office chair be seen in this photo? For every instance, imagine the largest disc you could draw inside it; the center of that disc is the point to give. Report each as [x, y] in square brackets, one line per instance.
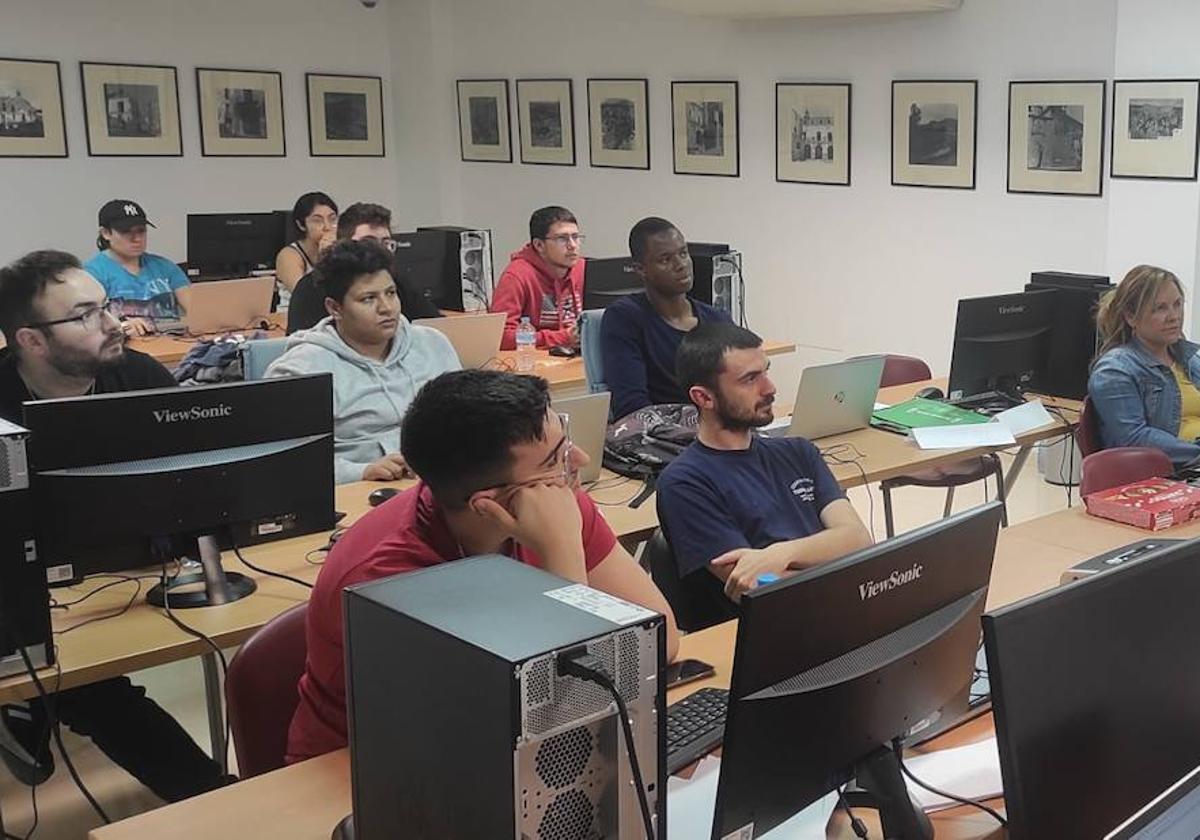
[1122, 465]
[1087, 431]
[260, 691]
[901, 370]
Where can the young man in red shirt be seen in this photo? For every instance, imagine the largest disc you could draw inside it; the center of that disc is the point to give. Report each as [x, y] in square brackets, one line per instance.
[544, 281]
[498, 476]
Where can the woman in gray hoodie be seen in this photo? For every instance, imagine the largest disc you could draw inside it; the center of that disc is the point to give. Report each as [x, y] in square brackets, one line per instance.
[378, 359]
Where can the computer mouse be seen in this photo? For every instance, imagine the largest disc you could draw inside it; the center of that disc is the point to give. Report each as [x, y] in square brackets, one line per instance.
[381, 495]
[931, 393]
[564, 351]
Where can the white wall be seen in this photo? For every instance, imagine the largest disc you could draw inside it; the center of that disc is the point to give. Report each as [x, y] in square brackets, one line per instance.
[53, 203]
[870, 267]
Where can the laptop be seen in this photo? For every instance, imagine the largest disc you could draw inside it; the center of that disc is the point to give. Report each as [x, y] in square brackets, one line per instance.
[224, 305]
[833, 399]
[588, 416]
[1173, 815]
[476, 338]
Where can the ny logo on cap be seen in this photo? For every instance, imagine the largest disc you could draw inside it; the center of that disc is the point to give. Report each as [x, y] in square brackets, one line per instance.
[132, 210]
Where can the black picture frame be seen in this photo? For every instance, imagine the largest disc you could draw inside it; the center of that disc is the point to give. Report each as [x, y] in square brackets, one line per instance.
[308, 107]
[1195, 128]
[506, 111]
[62, 112]
[676, 85]
[1099, 86]
[645, 94]
[781, 86]
[87, 123]
[567, 123]
[973, 84]
[205, 151]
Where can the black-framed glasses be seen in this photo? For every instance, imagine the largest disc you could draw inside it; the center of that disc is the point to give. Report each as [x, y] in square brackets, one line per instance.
[564, 463]
[91, 318]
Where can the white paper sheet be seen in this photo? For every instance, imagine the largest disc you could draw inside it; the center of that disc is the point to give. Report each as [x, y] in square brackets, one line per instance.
[963, 437]
[1024, 418]
[972, 772]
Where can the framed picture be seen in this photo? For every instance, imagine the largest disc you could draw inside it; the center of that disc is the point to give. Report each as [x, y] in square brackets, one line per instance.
[131, 109]
[618, 123]
[483, 132]
[1055, 137]
[1154, 129]
[546, 121]
[812, 133]
[31, 109]
[704, 128]
[933, 133]
[241, 113]
[345, 115]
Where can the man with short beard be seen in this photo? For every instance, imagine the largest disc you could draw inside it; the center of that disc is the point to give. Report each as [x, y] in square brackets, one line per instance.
[735, 505]
[64, 341]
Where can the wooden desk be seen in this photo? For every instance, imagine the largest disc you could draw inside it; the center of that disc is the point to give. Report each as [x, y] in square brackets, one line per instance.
[170, 349]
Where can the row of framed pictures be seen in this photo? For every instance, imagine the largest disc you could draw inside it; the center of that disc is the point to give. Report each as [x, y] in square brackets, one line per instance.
[132, 110]
[1055, 129]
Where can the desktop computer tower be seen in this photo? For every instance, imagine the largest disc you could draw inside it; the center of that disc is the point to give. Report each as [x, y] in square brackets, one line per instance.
[717, 277]
[461, 725]
[24, 597]
[471, 251]
[1073, 340]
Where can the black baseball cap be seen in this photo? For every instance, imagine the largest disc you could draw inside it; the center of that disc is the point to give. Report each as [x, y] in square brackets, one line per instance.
[122, 214]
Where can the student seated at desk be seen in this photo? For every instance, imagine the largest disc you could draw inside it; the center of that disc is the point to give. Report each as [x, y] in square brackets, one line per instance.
[735, 505]
[64, 341]
[1144, 383]
[378, 359]
[359, 221]
[146, 285]
[641, 332]
[314, 221]
[544, 281]
[498, 476]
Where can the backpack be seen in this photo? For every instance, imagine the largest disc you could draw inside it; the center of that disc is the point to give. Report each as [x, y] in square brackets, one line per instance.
[643, 442]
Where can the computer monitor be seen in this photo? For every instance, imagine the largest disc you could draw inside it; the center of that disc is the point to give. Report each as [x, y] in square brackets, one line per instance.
[606, 279]
[1096, 695]
[1001, 345]
[115, 474]
[1073, 341]
[834, 663]
[223, 245]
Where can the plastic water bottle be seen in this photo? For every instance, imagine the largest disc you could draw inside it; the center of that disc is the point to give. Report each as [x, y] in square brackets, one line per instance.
[526, 342]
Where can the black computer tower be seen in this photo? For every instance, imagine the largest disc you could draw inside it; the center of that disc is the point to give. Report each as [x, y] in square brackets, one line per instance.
[460, 725]
[24, 597]
[467, 279]
[1073, 340]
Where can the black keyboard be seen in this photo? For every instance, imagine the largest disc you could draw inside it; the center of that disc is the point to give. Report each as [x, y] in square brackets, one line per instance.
[695, 726]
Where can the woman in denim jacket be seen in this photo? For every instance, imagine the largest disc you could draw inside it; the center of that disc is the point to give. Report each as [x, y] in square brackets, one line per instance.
[1145, 380]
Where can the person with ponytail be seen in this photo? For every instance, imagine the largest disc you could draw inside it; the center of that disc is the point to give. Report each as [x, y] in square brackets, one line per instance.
[1145, 381]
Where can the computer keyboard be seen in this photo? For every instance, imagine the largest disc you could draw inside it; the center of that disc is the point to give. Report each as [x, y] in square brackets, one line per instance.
[695, 726]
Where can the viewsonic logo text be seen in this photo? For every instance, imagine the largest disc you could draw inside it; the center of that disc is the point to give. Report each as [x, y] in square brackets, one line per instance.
[896, 579]
[196, 412]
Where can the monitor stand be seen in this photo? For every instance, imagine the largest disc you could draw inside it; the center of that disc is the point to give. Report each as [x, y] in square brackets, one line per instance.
[881, 786]
[220, 587]
[345, 829]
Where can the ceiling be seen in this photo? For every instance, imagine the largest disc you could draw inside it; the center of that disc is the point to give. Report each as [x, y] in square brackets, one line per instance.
[803, 8]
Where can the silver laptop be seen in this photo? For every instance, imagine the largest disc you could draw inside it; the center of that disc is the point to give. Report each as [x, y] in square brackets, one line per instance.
[476, 338]
[588, 416]
[223, 305]
[834, 398]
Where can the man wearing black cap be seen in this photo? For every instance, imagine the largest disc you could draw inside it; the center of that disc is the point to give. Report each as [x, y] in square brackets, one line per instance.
[146, 285]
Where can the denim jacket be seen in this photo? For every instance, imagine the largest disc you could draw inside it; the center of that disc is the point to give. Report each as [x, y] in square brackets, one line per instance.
[1137, 400]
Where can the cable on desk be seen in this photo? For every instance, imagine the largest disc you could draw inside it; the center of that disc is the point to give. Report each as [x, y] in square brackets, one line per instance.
[66, 605]
[996, 815]
[119, 612]
[856, 825]
[836, 455]
[238, 553]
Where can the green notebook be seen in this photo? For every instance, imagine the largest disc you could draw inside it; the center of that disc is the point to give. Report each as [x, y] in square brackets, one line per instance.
[919, 413]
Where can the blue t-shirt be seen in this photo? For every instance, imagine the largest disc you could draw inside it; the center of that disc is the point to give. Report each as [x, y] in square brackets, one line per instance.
[148, 294]
[711, 501]
[638, 349]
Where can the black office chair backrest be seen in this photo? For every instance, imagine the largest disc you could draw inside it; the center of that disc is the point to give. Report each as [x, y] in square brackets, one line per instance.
[693, 610]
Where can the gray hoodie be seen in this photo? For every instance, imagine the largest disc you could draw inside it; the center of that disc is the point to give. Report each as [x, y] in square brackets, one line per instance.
[369, 397]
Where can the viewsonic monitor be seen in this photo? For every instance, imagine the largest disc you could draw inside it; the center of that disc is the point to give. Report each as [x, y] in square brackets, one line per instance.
[224, 245]
[1001, 345]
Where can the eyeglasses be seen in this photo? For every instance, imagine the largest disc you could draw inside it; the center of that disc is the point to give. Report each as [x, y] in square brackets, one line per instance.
[564, 464]
[91, 319]
[565, 239]
[327, 221]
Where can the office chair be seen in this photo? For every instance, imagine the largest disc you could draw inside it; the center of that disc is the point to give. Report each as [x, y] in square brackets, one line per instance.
[260, 691]
[1087, 432]
[257, 356]
[589, 345]
[1122, 465]
[690, 614]
[901, 370]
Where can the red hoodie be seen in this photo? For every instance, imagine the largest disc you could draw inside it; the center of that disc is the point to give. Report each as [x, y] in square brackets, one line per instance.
[530, 287]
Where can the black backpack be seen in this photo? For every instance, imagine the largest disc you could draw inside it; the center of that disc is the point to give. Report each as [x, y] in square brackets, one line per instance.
[642, 443]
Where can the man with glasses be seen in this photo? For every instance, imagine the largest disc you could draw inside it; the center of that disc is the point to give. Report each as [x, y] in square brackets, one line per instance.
[544, 281]
[497, 476]
[641, 332]
[359, 221]
[64, 341]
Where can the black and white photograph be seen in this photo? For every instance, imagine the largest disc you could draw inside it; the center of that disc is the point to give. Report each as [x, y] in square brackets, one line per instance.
[483, 120]
[31, 109]
[546, 121]
[345, 115]
[1154, 131]
[812, 128]
[1056, 137]
[933, 133]
[131, 109]
[618, 123]
[241, 113]
[704, 124]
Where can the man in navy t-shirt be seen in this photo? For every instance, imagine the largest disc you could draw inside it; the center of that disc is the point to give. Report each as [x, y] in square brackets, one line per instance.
[640, 333]
[735, 505]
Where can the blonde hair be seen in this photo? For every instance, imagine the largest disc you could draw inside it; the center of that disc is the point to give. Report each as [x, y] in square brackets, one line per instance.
[1133, 298]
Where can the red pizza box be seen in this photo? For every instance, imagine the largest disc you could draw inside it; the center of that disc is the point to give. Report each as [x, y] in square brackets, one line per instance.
[1153, 504]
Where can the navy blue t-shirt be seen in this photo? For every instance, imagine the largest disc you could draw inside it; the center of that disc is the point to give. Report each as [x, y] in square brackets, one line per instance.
[711, 501]
[638, 349]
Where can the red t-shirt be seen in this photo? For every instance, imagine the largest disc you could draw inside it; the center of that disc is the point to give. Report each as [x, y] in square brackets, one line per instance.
[408, 532]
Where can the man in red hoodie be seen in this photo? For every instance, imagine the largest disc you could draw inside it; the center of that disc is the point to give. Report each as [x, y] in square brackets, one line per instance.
[544, 281]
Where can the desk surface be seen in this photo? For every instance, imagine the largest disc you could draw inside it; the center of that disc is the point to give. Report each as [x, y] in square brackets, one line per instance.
[170, 349]
[307, 800]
